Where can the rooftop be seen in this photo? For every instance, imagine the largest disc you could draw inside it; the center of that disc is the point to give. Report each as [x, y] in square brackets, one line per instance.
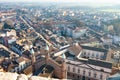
[28, 70]
[76, 49]
[94, 48]
[21, 59]
[4, 53]
[100, 63]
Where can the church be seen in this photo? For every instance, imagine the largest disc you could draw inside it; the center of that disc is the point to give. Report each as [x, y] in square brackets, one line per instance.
[48, 65]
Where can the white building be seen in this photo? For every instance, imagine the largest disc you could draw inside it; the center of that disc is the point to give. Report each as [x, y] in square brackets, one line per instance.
[106, 40]
[95, 53]
[87, 63]
[89, 70]
[75, 32]
[78, 32]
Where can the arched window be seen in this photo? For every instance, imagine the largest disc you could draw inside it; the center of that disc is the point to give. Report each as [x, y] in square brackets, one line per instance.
[68, 68]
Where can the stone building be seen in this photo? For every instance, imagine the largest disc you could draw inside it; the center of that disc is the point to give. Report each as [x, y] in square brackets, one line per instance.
[72, 62]
[87, 63]
[49, 66]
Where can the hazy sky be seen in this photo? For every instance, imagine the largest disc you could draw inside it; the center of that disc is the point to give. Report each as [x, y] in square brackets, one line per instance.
[80, 1]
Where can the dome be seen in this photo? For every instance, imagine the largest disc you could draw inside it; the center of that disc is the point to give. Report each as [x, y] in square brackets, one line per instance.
[32, 51]
[46, 48]
[63, 56]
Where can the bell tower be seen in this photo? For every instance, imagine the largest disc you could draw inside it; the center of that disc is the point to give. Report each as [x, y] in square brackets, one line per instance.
[47, 56]
[33, 60]
[63, 67]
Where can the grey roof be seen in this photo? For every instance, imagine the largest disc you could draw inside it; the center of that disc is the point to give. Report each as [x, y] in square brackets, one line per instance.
[100, 63]
[4, 53]
[94, 48]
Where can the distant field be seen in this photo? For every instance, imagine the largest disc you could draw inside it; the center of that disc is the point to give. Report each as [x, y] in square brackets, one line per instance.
[110, 10]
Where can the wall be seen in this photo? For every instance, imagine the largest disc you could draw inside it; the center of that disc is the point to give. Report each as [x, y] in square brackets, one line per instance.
[93, 54]
[88, 68]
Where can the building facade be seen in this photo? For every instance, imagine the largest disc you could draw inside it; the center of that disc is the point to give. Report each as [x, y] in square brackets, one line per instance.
[77, 70]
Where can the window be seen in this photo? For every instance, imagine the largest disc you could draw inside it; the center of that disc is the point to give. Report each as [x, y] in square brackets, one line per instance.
[68, 68]
[73, 69]
[101, 76]
[73, 75]
[84, 72]
[68, 74]
[84, 53]
[78, 70]
[89, 73]
[88, 55]
[101, 57]
[97, 55]
[92, 55]
[95, 75]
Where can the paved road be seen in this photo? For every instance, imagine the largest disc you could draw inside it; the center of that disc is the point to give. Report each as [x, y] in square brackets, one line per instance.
[100, 34]
[35, 31]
